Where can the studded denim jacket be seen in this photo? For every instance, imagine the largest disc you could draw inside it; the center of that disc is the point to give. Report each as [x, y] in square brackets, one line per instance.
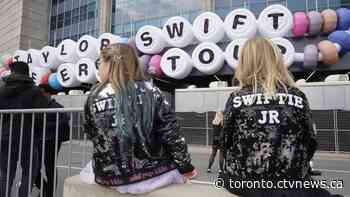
[135, 134]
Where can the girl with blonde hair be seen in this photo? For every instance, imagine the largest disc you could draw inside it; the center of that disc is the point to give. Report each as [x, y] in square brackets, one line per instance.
[218, 123]
[267, 125]
[135, 133]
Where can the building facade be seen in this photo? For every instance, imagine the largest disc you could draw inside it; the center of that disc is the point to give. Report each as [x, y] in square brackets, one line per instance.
[130, 15]
[35, 23]
[72, 19]
[23, 24]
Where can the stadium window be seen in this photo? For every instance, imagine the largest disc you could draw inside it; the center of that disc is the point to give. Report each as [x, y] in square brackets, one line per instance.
[257, 6]
[66, 32]
[334, 4]
[296, 6]
[117, 29]
[240, 4]
[75, 37]
[83, 13]
[113, 19]
[60, 21]
[75, 16]
[346, 4]
[139, 24]
[112, 28]
[322, 4]
[53, 23]
[91, 15]
[221, 3]
[58, 41]
[67, 18]
[91, 10]
[222, 12]
[113, 6]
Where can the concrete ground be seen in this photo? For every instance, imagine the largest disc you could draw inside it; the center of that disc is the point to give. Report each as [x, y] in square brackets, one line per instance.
[333, 166]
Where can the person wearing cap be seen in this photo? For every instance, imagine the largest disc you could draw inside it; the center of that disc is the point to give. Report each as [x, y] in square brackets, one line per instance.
[20, 92]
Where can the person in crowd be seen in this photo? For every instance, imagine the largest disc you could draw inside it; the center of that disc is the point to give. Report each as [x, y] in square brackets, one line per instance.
[218, 124]
[2, 83]
[16, 133]
[268, 133]
[135, 134]
[51, 149]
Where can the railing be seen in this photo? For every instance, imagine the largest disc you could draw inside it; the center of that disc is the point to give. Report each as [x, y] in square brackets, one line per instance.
[332, 126]
[36, 134]
[29, 145]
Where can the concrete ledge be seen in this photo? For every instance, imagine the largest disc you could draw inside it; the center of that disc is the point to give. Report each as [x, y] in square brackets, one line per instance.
[73, 187]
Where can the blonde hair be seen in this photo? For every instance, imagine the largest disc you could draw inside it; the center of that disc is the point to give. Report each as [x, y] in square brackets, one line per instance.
[124, 65]
[219, 119]
[261, 62]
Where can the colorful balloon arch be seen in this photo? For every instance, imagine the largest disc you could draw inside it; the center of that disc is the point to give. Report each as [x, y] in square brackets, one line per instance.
[161, 51]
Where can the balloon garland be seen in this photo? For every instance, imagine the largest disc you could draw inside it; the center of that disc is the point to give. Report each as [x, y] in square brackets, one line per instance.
[161, 50]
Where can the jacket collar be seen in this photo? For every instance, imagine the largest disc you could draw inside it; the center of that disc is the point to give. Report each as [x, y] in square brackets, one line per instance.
[16, 84]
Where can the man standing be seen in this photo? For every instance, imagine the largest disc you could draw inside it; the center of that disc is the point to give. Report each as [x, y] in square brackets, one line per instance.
[19, 92]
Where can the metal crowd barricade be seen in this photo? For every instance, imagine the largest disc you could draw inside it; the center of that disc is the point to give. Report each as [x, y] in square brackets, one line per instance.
[333, 129]
[76, 152]
[12, 182]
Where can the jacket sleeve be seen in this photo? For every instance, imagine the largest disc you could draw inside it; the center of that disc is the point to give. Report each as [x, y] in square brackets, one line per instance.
[44, 102]
[308, 134]
[63, 124]
[166, 126]
[228, 125]
[89, 127]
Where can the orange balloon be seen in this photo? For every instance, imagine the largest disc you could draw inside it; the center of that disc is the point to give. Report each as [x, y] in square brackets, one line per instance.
[330, 19]
[329, 52]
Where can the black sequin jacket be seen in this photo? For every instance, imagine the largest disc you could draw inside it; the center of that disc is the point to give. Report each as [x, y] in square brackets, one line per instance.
[135, 135]
[268, 138]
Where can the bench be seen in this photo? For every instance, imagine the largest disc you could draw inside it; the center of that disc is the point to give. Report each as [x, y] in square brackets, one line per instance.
[74, 187]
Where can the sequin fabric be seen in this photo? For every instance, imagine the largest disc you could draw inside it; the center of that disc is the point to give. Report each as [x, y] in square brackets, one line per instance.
[268, 137]
[135, 134]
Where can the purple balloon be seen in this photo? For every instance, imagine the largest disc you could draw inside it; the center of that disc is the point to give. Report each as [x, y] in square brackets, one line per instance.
[144, 60]
[316, 22]
[343, 39]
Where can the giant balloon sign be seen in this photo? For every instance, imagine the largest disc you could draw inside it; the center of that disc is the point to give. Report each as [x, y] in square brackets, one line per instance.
[274, 22]
[163, 51]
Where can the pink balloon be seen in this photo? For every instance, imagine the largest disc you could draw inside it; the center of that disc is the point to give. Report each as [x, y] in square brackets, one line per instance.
[154, 66]
[4, 72]
[7, 60]
[301, 24]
